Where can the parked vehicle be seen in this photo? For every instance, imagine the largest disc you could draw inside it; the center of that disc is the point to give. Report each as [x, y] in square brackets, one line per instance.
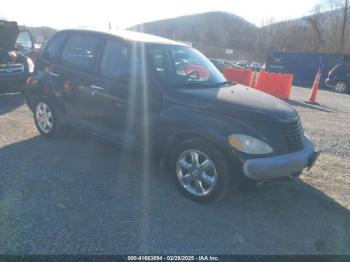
[304, 66]
[339, 78]
[226, 63]
[134, 89]
[221, 64]
[218, 64]
[37, 49]
[255, 66]
[15, 67]
[232, 64]
[242, 64]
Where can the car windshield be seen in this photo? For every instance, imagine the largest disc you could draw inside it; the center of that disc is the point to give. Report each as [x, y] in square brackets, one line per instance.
[184, 67]
[24, 40]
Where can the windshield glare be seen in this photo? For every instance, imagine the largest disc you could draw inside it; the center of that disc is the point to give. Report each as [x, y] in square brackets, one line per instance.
[179, 66]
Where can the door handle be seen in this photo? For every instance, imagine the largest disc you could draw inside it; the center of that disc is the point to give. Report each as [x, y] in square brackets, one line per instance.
[53, 74]
[95, 87]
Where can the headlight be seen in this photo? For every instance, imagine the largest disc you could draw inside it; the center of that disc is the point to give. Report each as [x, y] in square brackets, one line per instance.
[30, 65]
[249, 145]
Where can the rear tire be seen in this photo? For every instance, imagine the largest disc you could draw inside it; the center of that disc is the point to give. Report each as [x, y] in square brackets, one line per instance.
[200, 170]
[46, 118]
[341, 87]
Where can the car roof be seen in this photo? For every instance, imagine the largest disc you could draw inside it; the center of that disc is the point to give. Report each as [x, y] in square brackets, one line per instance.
[132, 36]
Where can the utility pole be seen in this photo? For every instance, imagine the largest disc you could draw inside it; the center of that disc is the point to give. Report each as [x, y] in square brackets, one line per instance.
[343, 29]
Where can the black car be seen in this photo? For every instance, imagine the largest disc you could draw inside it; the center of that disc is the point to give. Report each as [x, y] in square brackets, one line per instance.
[15, 67]
[339, 78]
[137, 90]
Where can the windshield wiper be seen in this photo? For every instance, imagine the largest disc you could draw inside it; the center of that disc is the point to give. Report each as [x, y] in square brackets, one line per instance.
[199, 85]
[195, 85]
[226, 83]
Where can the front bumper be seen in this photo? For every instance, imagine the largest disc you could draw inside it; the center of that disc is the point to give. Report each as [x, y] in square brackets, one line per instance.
[281, 166]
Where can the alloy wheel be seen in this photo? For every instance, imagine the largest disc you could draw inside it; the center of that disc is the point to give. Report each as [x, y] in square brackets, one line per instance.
[340, 87]
[196, 172]
[44, 117]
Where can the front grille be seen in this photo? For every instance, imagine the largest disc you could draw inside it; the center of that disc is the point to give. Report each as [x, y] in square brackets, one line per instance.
[11, 68]
[294, 135]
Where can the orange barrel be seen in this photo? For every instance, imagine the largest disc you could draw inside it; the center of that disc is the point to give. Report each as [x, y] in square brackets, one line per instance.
[278, 85]
[237, 75]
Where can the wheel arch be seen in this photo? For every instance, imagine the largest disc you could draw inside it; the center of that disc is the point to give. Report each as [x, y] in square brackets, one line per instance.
[36, 89]
[182, 136]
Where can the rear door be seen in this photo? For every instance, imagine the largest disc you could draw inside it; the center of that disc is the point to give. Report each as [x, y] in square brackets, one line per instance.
[47, 66]
[76, 73]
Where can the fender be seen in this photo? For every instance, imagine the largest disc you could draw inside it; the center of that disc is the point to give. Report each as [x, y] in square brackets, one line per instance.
[36, 87]
[179, 122]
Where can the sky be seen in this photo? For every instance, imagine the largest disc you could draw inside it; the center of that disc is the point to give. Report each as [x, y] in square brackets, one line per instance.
[62, 14]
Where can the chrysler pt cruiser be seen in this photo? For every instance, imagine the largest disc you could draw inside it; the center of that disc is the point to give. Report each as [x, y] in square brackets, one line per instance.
[167, 99]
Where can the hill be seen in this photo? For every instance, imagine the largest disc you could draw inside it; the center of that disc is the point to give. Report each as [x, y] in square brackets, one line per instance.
[211, 32]
[319, 32]
[214, 32]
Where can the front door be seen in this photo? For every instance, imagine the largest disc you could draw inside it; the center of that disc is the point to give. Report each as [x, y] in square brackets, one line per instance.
[122, 93]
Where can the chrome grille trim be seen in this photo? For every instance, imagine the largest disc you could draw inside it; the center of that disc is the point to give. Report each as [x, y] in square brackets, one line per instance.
[294, 135]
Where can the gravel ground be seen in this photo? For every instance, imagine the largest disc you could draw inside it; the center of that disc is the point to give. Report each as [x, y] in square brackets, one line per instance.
[328, 126]
[78, 195]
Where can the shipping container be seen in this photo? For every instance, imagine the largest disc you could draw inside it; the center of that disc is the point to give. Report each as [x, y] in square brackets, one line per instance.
[304, 66]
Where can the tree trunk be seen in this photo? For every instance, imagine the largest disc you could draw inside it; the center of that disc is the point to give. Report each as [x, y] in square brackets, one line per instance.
[343, 29]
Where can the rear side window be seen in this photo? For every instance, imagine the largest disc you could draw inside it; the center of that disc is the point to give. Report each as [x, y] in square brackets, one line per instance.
[80, 51]
[53, 46]
[115, 61]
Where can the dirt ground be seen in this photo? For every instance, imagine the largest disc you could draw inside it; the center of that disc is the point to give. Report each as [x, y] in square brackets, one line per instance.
[78, 195]
[328, 126]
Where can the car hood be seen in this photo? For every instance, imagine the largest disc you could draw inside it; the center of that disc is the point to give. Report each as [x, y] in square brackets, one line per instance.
[236, 101]
[8, 35]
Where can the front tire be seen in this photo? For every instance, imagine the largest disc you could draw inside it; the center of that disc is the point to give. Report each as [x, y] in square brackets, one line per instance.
[201, 170]
[45, 118]
[341, 87]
